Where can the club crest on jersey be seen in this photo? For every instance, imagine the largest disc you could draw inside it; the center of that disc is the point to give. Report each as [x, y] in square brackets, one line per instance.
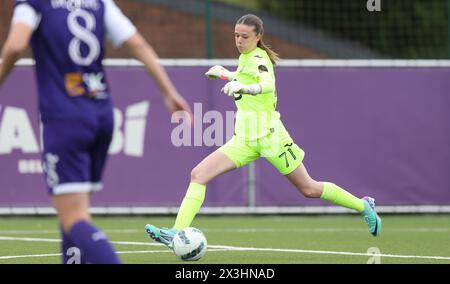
[262, 68]
[74, 84]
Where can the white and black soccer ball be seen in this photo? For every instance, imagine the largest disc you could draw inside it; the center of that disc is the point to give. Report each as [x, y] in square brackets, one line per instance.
[189, 244]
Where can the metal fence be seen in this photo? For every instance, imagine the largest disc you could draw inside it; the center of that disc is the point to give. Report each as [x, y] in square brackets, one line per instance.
[296, 29]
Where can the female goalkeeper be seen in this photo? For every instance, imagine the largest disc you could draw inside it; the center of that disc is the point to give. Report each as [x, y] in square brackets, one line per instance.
[258, 132]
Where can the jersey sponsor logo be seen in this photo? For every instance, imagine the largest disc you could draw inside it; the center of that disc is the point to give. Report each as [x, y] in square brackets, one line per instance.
[96, 87]
[17, 135]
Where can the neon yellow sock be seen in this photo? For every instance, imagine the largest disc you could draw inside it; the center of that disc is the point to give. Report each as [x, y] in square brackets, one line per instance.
[191, 204]
[340, 196]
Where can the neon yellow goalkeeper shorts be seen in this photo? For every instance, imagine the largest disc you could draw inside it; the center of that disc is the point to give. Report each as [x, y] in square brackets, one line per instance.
[277, 147]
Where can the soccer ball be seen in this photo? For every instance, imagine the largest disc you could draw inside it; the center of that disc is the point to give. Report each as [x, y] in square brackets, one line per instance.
[189, 244]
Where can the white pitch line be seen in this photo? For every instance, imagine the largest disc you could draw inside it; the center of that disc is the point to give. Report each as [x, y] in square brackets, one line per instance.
[221, 247]
[29, 256]
[59, 254]
[328, 252]
[150, 243]
[326, 230]
[119, 252]
[123, 231]
[3, 238]
[156, 251]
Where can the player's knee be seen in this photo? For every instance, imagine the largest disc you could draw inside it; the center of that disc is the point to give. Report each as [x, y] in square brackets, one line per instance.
[67, 222]
[310, 188]
[198, 176]
[310, 192]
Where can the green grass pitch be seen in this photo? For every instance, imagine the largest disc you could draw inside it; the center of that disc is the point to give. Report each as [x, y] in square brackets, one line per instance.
[278, 239]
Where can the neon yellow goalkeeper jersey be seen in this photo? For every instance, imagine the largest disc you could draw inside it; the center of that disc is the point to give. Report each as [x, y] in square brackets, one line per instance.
[256, 116]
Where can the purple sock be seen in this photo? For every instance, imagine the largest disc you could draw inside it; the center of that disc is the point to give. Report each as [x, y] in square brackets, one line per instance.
[93, 243]
[70, 253]
[66, 244]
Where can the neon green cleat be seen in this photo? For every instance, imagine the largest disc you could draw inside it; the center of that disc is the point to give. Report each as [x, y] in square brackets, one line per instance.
[371, 217]
[161, 235]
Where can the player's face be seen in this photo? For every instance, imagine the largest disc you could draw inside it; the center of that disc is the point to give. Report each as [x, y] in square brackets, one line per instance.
[246, 38]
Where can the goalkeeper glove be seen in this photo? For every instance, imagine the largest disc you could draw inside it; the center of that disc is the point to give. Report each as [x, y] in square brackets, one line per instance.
[221, 72]
[234, 87]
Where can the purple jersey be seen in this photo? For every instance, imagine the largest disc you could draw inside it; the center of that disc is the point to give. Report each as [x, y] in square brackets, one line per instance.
[74, 101]
[68, 46]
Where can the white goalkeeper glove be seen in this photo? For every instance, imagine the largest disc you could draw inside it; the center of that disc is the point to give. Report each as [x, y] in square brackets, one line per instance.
[220, 72]
[234, 87]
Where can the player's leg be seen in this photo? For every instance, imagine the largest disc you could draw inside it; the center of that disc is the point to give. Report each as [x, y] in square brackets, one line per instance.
[71, 208]
[210, 167]
[69, 252]
[215, 164]
[68, 172]
[337, 195]
[89, 241]
[235, 153]
[311, 188]
[287, 157]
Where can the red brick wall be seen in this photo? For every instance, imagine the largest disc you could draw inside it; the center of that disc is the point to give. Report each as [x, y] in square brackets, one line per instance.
[5, 17]
[174, 34]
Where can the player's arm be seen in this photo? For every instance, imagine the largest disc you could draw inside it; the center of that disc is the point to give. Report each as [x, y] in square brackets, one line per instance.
[265, 79]
[23, 23]
[265, 84]
[218, 71]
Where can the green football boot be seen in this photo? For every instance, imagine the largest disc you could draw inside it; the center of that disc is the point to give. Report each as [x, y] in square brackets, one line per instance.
[370, 216]
[161, 235]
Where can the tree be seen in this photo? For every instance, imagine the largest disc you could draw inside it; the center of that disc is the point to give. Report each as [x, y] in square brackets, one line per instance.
[402, 29]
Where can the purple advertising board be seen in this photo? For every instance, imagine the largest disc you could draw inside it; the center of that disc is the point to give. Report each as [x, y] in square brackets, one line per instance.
[383, 132]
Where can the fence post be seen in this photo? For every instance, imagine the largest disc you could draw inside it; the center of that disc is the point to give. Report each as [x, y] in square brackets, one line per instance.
[208, 29]
[251, 187]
